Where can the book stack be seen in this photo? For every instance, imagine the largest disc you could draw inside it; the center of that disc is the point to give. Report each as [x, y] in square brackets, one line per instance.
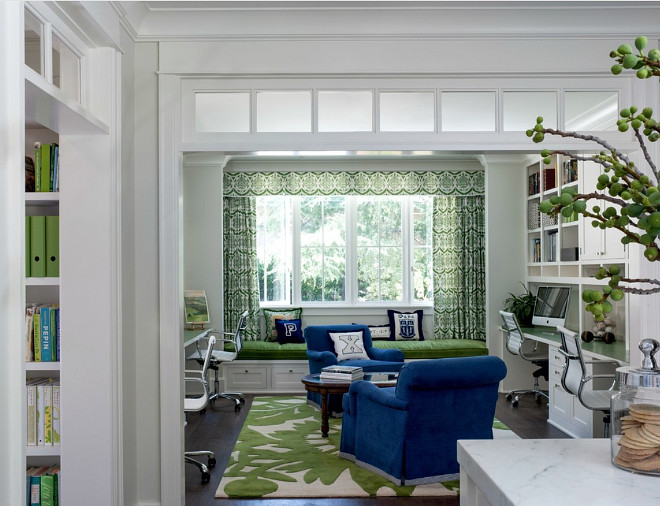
[46, 166]
[43, 412]
[43, 485]
[42, 246]
[341, 373]
[42, 333]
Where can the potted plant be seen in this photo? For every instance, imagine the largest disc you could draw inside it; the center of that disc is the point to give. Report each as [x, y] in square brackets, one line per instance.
[522, 306]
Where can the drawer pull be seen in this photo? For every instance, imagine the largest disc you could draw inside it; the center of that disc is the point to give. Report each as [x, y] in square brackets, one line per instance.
[246, 370]
[290, 370]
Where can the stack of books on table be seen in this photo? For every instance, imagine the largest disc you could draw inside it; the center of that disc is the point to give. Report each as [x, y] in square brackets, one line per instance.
[341, 373]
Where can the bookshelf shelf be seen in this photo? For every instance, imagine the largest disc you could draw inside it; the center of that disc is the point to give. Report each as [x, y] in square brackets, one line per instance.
[42, 451]
[42, 281]
[42, 198]
[42, 366]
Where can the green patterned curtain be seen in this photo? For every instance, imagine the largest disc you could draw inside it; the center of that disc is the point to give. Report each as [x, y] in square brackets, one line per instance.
[241, 284]
[459, 279]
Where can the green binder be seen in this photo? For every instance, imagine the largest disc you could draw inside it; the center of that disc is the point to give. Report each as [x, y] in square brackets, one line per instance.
[38, 246]
[27, 246]
[52, 246]
[45, 168]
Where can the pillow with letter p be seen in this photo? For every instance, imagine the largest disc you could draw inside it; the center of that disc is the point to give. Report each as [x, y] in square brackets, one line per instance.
[406, 326]
[289, 331]
[349, 345]
[271, 315]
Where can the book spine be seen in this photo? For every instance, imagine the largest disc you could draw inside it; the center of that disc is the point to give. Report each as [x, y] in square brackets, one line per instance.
[29, 334]
[56, 168]
[48, 414]
[38, 246]
[41, 427]
[52, 246]
[28, 262]
[37, 166]
[31, 394]
[36, 341]
[46, 492]
[45, 334]
[53, 334]
[51, 180]
[35, 491]
[57, 327]
[45, 167]
[56, 414]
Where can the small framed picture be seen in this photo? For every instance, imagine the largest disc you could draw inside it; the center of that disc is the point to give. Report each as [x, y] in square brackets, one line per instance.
[197, 308]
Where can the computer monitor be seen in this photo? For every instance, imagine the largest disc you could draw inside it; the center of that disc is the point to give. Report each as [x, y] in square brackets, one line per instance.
[551, 305]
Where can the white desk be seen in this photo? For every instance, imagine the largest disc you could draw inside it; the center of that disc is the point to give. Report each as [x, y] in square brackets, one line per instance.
[540, 472]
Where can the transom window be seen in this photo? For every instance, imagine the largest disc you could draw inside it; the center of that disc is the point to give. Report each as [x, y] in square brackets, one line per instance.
[344, 249]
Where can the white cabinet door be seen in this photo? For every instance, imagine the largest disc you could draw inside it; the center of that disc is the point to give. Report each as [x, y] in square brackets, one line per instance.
[597, 244]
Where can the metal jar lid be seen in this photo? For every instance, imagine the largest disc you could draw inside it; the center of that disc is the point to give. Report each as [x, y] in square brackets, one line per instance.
[648, 375]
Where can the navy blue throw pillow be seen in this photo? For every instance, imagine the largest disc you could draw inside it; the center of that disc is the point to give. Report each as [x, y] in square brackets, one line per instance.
[406, 326]
[289, 331]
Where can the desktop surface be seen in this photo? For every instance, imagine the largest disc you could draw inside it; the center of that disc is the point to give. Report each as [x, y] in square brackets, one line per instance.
[598, 349]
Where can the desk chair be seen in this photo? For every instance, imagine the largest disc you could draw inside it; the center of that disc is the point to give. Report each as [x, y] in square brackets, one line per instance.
[235, 339]
[575, 377]
[515, 343]
[198, 404]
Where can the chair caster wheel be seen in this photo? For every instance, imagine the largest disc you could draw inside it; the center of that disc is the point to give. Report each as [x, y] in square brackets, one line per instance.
[539, 399]
[237, 408]
[508, 397]
[211, 462]
[515, 403]
[202, 411]
[206, 477]
[242, 400]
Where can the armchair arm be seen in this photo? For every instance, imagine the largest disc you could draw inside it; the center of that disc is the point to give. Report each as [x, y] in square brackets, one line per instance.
[380, 396]
[387, 355]
[320, 359]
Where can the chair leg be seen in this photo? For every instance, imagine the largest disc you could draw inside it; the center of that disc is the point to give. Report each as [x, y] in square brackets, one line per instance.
[236, 397]
[204, 468]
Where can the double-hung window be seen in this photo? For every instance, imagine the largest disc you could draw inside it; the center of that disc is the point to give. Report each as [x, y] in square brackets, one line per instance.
[344, 249]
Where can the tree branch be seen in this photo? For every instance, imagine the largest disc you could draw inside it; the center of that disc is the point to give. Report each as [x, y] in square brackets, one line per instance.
[647, 156]
[588, 138]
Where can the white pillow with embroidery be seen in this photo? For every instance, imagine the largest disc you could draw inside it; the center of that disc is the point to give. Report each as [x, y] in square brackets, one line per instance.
[349, 345]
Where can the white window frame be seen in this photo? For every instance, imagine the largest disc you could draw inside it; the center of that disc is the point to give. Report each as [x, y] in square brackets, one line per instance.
[351, 270]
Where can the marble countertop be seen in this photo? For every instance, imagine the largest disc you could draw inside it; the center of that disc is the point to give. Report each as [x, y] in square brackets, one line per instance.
[540, 472]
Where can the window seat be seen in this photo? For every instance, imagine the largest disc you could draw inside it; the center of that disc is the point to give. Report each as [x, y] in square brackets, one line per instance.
[432, 348]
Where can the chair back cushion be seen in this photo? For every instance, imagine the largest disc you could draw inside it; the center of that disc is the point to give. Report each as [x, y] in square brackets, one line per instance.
[514, 335]
[574, 369]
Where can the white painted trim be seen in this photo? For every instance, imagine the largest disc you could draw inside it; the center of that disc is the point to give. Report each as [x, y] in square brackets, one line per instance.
[170, 168]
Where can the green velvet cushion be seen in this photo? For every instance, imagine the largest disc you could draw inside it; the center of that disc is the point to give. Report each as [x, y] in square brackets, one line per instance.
[436, 348]
[432, 348]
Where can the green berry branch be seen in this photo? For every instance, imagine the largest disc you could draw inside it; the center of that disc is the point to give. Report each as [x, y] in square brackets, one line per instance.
[630, 198]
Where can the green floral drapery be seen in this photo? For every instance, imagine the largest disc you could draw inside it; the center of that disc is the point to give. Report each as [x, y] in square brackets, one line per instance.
[241, 284]
[459, 268]
[458, 232]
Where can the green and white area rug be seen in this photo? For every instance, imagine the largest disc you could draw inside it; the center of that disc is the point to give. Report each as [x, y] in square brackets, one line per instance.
[280, 453]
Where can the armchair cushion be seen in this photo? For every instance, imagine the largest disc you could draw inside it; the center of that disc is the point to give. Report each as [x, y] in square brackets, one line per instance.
[349, 345]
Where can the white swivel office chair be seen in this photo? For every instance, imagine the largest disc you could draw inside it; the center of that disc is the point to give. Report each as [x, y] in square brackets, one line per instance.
[575, 377]
[235, 340]
[198, 403]
[515, 344]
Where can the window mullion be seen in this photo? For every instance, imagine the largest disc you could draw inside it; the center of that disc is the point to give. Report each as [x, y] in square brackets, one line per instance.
[407, 246]
[295, 253]
[351, 249]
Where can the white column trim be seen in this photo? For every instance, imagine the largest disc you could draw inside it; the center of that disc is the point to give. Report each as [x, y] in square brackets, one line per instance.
[170, 166]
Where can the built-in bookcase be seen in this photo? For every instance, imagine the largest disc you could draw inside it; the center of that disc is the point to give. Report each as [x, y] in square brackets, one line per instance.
[57, 119]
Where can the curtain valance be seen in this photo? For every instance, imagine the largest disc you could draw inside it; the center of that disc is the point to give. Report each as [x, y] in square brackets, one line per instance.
[450, 183]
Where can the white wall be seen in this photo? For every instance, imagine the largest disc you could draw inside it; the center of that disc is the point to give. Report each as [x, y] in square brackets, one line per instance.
[202, 236]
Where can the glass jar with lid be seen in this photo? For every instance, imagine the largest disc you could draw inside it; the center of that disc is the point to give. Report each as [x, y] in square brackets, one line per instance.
[635, 439]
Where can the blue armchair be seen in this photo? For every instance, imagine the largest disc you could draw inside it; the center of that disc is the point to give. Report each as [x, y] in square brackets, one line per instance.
[408, 433]
[321, 353]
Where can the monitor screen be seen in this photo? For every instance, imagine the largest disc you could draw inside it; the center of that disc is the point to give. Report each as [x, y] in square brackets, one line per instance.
[551, 305]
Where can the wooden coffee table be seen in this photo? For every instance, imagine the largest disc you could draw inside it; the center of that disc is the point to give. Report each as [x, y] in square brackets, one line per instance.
[313, 383]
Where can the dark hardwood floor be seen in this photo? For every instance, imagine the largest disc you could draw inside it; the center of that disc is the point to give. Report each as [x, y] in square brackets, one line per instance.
[218, 428]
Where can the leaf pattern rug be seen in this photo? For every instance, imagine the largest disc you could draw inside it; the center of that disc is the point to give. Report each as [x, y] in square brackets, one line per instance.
[280, 453]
